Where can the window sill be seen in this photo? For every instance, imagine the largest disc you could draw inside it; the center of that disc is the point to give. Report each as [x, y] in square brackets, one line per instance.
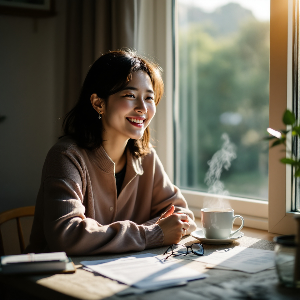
[285, 224]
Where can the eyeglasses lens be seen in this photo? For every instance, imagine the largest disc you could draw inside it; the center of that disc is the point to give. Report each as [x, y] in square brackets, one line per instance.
[179, 250]
[198, 249]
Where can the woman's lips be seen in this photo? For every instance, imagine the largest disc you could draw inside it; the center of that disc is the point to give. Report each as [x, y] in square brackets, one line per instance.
[138, 122]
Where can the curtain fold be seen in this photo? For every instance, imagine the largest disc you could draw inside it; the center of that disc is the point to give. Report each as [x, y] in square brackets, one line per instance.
[94, 27]
[79, 49]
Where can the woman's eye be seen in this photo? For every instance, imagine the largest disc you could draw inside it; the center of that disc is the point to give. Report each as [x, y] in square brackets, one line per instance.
[150, 98]
[129, 96]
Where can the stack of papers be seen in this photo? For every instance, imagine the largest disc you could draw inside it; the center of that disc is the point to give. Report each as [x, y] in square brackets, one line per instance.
[243, 259]
[144, 271]
[150, 272]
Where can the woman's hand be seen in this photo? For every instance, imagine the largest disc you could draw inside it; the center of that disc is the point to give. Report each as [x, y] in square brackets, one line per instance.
[192, 224]
[173, 225]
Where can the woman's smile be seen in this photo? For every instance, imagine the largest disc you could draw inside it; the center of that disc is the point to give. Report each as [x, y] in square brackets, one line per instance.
[137, 121]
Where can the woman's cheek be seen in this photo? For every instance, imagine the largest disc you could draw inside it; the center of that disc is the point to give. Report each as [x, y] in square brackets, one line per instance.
[152, 110]
[125, 106]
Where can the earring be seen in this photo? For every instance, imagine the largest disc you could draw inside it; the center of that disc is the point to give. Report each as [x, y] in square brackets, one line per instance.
[99, 115]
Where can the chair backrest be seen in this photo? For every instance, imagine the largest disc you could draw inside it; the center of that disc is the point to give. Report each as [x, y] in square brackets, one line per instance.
[15, 213]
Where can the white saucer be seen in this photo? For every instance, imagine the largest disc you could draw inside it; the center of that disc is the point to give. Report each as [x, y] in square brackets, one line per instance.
[198, 234]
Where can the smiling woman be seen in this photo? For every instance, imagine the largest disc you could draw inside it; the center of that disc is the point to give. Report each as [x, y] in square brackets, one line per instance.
[103, 186]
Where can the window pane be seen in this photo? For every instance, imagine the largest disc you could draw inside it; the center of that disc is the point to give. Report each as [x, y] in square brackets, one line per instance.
[223, 108]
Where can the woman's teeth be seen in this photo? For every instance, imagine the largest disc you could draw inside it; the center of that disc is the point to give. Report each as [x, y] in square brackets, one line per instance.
[136, 121]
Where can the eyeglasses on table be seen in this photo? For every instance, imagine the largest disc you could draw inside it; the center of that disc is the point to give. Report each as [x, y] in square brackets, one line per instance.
[179, 249]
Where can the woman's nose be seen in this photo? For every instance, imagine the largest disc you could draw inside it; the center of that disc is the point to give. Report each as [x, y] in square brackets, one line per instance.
[141, 106]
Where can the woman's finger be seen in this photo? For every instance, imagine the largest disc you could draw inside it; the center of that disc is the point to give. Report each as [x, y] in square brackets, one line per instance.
[182, 217]
[185, 226]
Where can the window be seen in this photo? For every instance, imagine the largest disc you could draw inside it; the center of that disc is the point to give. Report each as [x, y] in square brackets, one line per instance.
[273, 214]
[223, 79]
[223, 102]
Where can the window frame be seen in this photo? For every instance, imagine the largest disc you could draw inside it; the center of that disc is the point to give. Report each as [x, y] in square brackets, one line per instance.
[281, 219]
[274, 215]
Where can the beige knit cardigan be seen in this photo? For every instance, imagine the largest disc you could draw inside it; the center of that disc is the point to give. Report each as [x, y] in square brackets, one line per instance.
[77, 209]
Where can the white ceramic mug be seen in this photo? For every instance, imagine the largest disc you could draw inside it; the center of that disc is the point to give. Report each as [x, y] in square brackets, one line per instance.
[217, 223]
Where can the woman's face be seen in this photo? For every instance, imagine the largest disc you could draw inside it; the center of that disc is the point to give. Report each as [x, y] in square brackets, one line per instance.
[128, 112]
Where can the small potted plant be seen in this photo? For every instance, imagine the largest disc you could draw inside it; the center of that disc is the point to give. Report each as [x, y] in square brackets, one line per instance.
[279, 138]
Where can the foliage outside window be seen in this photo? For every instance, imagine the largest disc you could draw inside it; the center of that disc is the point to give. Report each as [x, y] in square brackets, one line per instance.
[223, 99]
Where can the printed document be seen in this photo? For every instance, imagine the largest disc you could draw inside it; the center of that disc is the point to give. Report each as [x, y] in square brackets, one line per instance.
[243, 259]
[144, 271]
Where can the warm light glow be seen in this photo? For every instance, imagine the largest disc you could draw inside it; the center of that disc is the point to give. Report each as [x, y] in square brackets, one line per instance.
[274, 133]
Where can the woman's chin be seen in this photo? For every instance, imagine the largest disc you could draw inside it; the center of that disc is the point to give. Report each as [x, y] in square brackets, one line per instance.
[137, 136]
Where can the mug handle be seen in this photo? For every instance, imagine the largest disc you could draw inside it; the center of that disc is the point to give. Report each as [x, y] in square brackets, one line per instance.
[237, 216]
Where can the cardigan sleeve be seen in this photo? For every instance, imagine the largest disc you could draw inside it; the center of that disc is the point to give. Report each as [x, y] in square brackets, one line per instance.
[67, 229]
[60, 220]
[165, 193]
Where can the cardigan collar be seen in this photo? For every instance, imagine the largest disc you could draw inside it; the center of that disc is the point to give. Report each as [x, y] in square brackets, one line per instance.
[105, 163]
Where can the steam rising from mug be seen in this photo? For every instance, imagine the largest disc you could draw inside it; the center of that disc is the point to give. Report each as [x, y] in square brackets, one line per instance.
[221, 159]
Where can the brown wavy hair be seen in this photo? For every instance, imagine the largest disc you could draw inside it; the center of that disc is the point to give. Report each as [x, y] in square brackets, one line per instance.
[109, 74]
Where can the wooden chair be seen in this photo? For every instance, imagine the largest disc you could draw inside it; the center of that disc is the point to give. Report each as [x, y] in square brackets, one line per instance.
[16, 213]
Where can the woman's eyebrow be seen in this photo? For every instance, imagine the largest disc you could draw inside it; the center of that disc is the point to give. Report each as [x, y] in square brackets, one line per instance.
[135, 89]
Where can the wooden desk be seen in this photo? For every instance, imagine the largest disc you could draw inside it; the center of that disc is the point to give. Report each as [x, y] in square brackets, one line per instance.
[221, 284]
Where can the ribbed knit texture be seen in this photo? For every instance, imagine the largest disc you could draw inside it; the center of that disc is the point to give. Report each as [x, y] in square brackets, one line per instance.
[78, 211]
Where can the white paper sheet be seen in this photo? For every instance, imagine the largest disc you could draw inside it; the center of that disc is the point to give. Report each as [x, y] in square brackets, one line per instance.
[145, 271]
[240, 258]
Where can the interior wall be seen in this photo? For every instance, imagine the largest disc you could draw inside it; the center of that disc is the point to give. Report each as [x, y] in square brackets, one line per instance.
[27, 97]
